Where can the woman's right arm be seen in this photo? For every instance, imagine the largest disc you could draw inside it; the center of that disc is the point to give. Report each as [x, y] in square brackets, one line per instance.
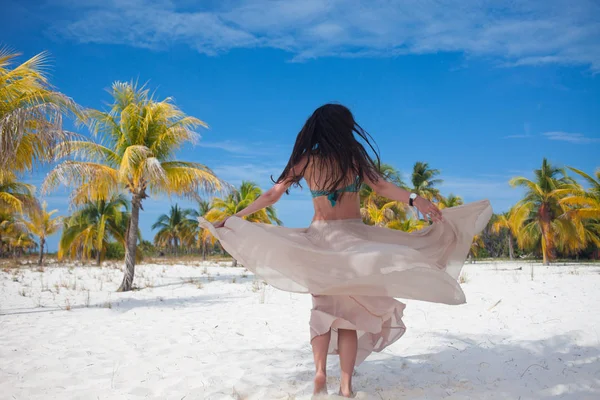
[271, 196]
[390, 191]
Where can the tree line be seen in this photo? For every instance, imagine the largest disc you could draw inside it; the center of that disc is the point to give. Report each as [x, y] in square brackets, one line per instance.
[130, 155]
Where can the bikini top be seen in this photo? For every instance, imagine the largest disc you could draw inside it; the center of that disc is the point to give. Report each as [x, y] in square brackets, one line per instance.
[333, 196]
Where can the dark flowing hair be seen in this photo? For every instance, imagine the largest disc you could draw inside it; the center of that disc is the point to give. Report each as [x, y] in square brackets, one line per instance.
[327, 140]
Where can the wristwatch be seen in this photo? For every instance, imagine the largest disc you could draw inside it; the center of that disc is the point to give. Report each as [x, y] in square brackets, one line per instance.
[411, 198]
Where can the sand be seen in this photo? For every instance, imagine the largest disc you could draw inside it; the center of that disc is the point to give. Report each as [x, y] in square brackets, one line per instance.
[216, 332]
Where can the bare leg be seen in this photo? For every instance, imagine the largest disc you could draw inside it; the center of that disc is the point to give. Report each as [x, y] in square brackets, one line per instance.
[347, 346]
[320, 346]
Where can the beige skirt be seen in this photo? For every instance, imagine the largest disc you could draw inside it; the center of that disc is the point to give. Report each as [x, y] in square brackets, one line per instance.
[377, 321]
[354, 271]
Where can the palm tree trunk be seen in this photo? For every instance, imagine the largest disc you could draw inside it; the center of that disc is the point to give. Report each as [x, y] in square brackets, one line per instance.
[98, 254]
[41, 259]
[511, 249]
[547, 242]
[234, 264]
[544, 253]
[131, 244]
[204, 250]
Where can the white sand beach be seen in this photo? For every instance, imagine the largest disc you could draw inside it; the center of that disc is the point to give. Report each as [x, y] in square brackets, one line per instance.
[215, 332]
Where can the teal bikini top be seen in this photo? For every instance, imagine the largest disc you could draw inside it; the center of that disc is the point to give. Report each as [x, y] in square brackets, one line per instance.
[333, 196]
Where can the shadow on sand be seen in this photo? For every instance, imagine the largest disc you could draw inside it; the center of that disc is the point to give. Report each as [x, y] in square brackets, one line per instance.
[126, 304]
[475, 367]
[122, 301]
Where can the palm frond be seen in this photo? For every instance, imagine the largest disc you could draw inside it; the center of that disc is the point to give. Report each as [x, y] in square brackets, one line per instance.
[92, 181]
[31, 113]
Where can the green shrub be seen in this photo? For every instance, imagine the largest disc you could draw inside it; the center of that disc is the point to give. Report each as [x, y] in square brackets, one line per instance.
[115, 251]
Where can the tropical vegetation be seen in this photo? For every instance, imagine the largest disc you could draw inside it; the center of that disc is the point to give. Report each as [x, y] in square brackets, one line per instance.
[136, 143]
[15, 239]
[237, 201]
[31, 113]
[501, 224]
[41, 223]
[174, 228]
[130, 155]
[539, 219]
[90, 230]
[181, 226]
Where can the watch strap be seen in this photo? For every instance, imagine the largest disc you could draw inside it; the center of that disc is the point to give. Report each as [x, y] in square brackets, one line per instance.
[411, 197]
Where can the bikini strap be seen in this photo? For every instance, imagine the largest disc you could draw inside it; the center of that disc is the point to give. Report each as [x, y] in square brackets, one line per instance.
[334, 195]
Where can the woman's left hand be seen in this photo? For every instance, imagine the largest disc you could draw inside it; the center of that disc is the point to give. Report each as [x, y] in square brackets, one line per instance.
[220, 224]
[428, 209]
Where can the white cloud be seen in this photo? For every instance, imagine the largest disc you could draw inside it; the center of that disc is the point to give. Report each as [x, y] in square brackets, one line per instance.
[257, 173]
[513, 32]
[228, 146]
[571, 137]
[153, 24]
[245, 149]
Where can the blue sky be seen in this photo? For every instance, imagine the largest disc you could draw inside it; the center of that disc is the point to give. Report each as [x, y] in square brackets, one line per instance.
[482, 90]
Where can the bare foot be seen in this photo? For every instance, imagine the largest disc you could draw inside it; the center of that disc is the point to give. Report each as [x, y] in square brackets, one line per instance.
[320, 383]
[346, 393]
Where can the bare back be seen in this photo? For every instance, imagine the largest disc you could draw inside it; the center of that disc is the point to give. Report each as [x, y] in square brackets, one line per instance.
[347, 207]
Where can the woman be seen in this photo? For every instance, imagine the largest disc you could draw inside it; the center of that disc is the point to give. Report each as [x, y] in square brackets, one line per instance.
[352, 270]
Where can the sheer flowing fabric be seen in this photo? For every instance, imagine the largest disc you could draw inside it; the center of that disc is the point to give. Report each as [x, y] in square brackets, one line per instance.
[354, 271]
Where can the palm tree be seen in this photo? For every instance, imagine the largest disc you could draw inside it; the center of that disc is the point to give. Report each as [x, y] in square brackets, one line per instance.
[91, 228]
[197, 234]
[450, 201]
[237, 201]
[384, 215]
[593, 193]
[584, 209]
[40, 223]
[379, 211]
[6, 224]
[407, 225]
[539, 216]
[586, 203]
[21, 242]
[476, 247]
[204, 207]
[30, 113]
[13, 236]
[14, 196]
[423, 180]
[502, 222]
[138, 139]
[173, 228]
